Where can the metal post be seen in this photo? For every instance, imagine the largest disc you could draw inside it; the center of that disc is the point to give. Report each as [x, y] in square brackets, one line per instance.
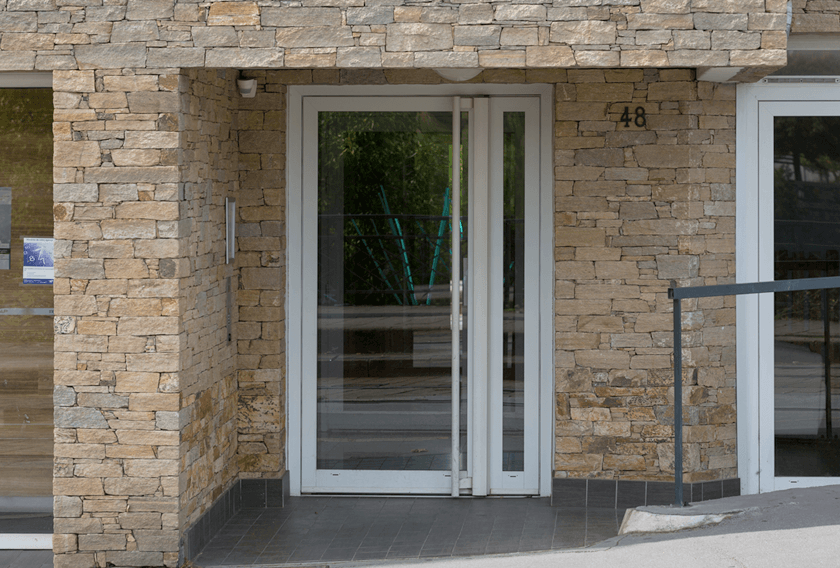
[678, 422]
[827, 364]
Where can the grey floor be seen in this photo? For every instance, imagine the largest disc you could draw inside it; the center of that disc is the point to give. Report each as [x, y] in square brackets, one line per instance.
[322, 529]
[26, 558]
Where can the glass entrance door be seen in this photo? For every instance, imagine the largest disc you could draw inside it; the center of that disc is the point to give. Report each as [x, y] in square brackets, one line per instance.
[416, 299]
[801, 392]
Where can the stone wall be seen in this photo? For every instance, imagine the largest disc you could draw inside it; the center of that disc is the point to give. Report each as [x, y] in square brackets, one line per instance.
[635, 208]
[120, 256]
[43, 34]
[209, 173]
[261, 257]
[815, 16]
[145, 374]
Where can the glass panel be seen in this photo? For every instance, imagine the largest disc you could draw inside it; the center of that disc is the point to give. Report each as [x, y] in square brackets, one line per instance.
[807, 324]
[26, 339]
[513, 336]
[384, 305]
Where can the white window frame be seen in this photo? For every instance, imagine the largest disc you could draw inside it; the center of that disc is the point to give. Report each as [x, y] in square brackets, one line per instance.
[295, 244]
[757, 104]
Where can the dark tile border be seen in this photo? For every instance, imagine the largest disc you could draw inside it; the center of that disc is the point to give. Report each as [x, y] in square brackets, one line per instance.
[243, 494]
[624, 494]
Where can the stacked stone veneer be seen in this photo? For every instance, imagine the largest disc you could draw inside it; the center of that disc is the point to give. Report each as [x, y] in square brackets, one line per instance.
[635, 208]
[815, 16]
[145, 378]
[44, 34]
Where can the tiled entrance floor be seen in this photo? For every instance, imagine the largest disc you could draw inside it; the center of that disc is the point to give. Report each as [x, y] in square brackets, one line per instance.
[322, 529]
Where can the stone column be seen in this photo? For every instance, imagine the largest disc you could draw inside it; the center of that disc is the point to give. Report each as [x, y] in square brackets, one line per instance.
[119, 344]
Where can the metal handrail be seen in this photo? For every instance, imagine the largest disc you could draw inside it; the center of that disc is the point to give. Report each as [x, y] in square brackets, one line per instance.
[677, 295]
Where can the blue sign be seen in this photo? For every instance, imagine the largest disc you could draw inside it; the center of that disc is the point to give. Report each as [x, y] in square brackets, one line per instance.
[38, 261]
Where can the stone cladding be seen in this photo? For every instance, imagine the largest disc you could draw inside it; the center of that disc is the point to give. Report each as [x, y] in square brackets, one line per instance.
[637, 207]
[145, 375]
[60, 34]
[815, 16]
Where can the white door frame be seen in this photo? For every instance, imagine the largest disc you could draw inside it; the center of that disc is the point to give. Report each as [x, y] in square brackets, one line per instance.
[757, 105]
[299, 246]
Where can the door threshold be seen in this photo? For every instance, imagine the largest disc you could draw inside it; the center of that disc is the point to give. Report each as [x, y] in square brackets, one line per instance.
[18, 541]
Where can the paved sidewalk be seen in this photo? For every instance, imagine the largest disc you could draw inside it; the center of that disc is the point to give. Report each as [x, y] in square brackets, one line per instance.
[794, 528]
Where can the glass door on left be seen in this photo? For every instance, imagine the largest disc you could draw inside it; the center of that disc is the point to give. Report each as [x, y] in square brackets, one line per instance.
[26, 309]
[378, 410]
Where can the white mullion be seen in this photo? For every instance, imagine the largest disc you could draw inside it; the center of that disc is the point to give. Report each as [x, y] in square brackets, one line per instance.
[456, 298]
[478, 298]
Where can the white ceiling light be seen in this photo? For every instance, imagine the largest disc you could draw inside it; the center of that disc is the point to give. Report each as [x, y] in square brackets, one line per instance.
[458, 74]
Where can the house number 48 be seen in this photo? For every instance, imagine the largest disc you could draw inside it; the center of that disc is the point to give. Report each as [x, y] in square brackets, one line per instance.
[639, 118]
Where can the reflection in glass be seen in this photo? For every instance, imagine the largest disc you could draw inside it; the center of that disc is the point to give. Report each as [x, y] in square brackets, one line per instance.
[26, 341]
[384, 304]
[807, 324]
[513, 373]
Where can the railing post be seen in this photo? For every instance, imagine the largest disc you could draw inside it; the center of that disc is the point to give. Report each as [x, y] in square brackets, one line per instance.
[678, 421]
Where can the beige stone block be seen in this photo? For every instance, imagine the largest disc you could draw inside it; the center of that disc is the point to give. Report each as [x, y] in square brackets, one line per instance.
[148, 437]
[579, 237]
[648, 21]
[111, 249]
[549, 56]
[571, 341]
[73, 81]
[27, 42]
[76, 154]
[76, 486]
[158, 248]
[582, 307]
[151, 139]
[131, 486]
[600, 324]
[624, 463]
[79, 268]
[578, 462]
[411, 37]
[607, 270]
[601, 359]
[128, 229]
[96, 327]
[153, 288]
[233, 14]
[149, 326]
[153, 362]
[132, 157]
[646, 323]
[501, 58]
[151, 468]
[815, 23]
[64, 543]
[520, 13]
[126, 268]
[126, 83]
[75, 305]
[133, 174]
[612, 429]
[157, 210]
[519, 36]
[136, 382]
[129, 451]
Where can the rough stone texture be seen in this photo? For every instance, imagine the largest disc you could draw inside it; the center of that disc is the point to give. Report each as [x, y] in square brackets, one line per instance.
[623, 229]
[248, 34]
[145, 380]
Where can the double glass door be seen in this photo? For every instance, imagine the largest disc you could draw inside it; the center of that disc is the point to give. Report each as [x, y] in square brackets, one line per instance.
[419, 295]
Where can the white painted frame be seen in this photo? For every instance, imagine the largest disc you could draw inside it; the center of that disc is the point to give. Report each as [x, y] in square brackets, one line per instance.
[298, 324]
[757, 105]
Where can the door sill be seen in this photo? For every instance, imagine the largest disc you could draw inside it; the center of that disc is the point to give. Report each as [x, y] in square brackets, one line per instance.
[17, 541]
